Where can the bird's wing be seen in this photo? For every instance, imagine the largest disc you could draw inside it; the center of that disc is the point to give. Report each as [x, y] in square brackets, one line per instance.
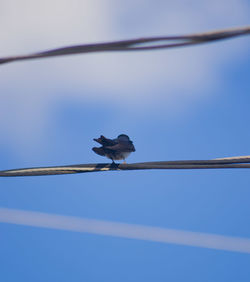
[105, 141]
[99, 151]
[121, 147]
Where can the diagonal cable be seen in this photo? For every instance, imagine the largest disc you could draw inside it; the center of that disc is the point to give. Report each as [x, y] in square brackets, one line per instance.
[125, 230]
[139, 44]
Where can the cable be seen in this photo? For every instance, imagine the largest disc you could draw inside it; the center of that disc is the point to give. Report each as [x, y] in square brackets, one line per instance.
[138, 44]
[124, 230]
[232, 162]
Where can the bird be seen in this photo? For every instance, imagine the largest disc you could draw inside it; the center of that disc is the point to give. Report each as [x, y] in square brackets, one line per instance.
[114, 149]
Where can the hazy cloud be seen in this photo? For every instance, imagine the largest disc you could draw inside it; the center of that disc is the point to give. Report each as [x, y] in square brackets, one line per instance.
[29, 90]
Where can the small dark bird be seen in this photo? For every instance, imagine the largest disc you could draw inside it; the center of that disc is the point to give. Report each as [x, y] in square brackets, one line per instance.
[114, 149]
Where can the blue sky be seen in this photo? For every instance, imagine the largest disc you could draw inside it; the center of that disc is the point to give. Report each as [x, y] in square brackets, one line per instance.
[189, 103]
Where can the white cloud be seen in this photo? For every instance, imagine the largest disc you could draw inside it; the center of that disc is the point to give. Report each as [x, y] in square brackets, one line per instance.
[30, 89]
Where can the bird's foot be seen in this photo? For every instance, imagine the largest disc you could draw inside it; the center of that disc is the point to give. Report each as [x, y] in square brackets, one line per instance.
[113, 164]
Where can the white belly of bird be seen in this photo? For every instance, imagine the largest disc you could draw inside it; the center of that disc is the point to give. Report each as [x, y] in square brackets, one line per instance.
[125, 155]
[120, 156]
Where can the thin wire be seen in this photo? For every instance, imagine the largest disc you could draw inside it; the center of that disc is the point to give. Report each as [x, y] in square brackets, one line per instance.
[123, 230]
[138, 44]
[231, 162]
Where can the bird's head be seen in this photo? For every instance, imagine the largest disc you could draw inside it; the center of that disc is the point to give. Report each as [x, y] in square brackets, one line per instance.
[123, 137]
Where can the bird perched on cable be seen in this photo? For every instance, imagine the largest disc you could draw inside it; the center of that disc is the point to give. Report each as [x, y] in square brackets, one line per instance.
[114, 149]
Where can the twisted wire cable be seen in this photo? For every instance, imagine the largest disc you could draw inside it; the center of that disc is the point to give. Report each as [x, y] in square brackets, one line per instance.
[138, 44]
[221, 163]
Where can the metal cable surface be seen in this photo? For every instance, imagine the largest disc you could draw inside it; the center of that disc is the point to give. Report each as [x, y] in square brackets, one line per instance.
[222, 163]
[139, 44]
